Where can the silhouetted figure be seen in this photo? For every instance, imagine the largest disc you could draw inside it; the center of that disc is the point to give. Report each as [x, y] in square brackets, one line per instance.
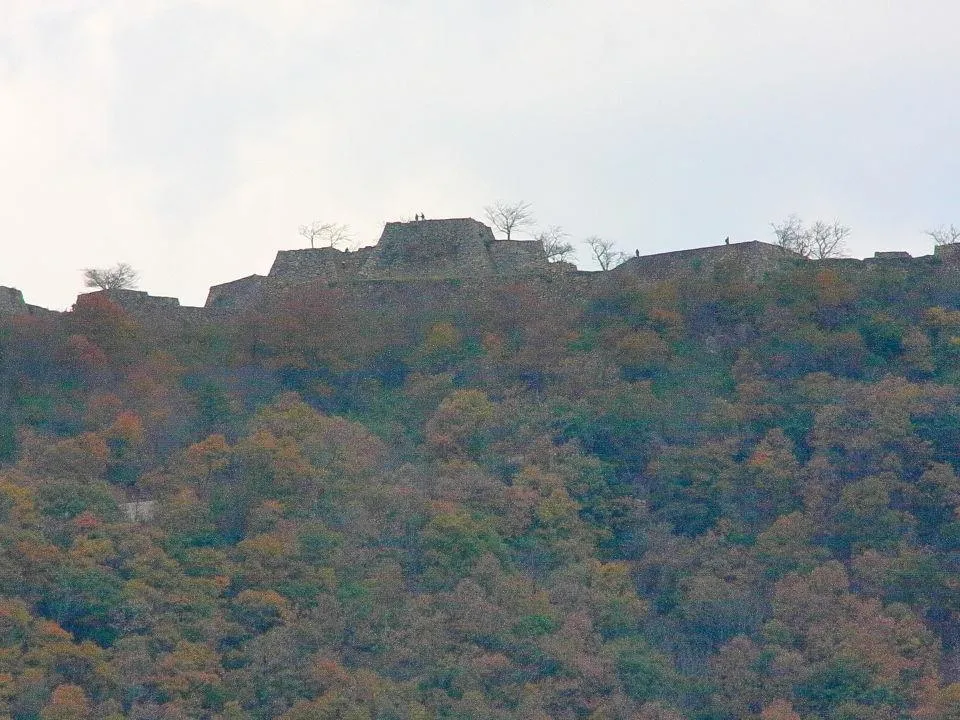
[637, 252]
[416, 218]
[727, 240]
[422, 216]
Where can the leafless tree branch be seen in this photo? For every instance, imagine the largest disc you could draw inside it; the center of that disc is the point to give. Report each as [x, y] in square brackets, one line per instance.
[604, 252]
[325, 234]
[828, 241]
[555, 244]
[507, 217]
[819, 241]
[944, 235]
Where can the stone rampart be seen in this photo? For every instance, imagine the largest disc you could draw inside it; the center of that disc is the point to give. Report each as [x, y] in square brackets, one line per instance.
[949, 253]
[138, 300]
[436, 255]
[457, 248]
[453, 248]
[11, 301]
[753, 260]
[523, 256]
[244, 292]
[313, 263]
[161, 314]
[464, 249]
[883, 262]
[437, 295]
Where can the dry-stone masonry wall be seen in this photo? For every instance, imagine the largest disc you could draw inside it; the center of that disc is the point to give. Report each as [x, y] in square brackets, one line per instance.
[237, 293]
[454, 248]
[462, 252]
[948, 253]
[458, 248]
[133, 300]
[518, 256]
[11, 301]
[751, 259]
[313, 263]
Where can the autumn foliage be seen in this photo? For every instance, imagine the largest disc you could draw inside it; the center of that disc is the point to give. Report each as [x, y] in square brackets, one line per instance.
[709, 500]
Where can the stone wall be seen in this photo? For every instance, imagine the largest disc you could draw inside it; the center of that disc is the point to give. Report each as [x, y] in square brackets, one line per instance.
[754, 260]
[244, 292]
[465, 249]
[313, 263]
[434, 256]
[138, 300]
[438, 295]
[11, 301]
[453, 248]
[162, 315]
[436, 249]
[948, 253]
[518, 256]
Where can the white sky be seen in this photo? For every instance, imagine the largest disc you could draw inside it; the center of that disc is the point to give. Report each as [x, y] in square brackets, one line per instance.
[190, 138]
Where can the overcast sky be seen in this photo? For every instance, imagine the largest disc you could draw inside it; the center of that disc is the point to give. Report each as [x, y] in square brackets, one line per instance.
[190, 138]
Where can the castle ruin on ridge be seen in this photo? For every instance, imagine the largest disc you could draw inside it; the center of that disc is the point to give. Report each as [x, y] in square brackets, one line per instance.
[431, 257]
[418, 250]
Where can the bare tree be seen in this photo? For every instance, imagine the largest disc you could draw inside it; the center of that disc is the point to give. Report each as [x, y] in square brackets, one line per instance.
[944, 235]
[120, 277]
[507, 217]
[604, 252]
[555, 244]
[828, 241]
[325, 234]
[791, 235]
[819, 241]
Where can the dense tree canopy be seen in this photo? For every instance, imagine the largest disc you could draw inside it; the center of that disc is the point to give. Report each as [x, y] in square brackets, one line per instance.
[713, 500]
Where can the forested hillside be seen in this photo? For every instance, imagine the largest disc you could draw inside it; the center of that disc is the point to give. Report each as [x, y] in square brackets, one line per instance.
[707, 500]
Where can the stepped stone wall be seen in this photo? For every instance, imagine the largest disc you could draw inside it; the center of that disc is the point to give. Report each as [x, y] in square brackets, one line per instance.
[433, 248]
[426, 257]
[465, 249]
[457, 248]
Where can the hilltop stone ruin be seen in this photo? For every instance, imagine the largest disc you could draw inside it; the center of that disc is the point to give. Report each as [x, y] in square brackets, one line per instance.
[12, 303]
[418, 250]
[428, 258]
